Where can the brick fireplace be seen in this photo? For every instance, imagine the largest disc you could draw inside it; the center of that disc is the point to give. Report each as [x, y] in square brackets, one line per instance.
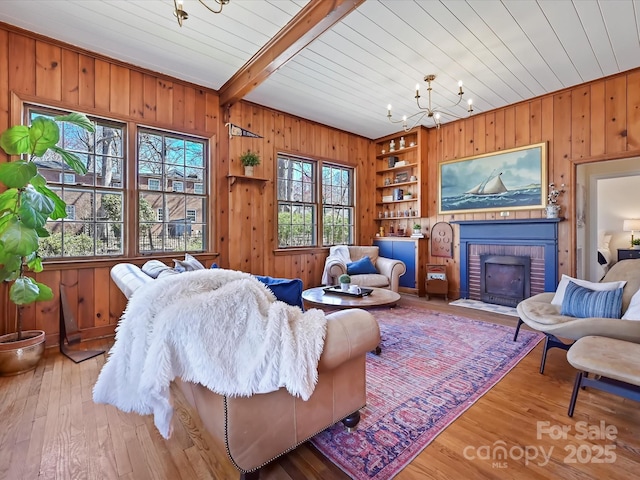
[533, 238]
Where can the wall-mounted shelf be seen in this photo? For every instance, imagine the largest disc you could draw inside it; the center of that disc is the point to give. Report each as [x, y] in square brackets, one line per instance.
[233, 179]
[397, 151]
[397, 167]
[399, 184]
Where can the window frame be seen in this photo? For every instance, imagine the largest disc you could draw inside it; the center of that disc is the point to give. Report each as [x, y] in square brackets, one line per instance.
[94, 191]
[318, 233]
[174, 228]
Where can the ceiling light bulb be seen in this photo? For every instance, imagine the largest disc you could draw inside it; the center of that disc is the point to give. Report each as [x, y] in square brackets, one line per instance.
[460, 83]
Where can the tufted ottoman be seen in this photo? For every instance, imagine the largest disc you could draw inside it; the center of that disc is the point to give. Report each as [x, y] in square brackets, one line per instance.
[613, 363]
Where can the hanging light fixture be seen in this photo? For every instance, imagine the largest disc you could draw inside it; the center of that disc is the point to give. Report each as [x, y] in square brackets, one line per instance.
[182, 15]
[430, 111]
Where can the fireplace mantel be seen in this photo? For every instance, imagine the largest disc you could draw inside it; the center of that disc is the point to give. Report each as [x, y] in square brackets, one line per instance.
[532, 231]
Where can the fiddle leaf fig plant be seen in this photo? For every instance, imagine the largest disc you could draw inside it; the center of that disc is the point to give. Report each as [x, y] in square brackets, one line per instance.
[27, 203]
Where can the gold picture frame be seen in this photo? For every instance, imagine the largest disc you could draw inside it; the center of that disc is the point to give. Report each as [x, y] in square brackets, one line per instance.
[514, 179]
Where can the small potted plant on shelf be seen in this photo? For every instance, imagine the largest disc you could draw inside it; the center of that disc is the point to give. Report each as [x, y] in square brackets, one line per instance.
[416, 228]
[249, 160]
[408, 195]
[635, 244]
[345, 282]
[25, 206]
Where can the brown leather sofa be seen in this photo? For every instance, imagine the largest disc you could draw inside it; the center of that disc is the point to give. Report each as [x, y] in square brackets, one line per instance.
[257, 429]
[388, 273]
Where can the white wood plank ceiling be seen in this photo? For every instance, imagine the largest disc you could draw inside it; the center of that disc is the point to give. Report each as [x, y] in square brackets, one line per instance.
[504, 51]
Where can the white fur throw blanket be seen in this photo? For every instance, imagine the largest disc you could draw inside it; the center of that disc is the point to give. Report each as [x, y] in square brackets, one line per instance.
[339, 253]
[221, 328]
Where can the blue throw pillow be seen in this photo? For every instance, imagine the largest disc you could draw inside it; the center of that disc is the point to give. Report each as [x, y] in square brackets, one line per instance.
[285, 290]
[361, 267]
[583, 302]
[214, 265]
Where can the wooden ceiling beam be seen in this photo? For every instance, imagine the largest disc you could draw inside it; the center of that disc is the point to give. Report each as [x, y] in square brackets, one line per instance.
[311, 22]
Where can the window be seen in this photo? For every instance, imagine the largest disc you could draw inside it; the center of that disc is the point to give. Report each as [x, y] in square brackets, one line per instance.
[68, 178]
[153, 184]
[298, 204]
[71, 212]
[337, 205]
[94, 222]
[198, 188]
[166, 160]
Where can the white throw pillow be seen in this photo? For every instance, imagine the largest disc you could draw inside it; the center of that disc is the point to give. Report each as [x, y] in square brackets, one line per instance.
[598, 286]
[189, 264]
[633, 310]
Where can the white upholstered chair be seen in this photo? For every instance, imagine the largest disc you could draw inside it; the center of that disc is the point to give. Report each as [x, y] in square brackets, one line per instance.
[388, 270]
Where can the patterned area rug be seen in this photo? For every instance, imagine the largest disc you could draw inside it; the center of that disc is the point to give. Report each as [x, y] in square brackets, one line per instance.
[487, 307]
[432, 368]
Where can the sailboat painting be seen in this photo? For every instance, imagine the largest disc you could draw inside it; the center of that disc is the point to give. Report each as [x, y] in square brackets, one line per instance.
[512, 179]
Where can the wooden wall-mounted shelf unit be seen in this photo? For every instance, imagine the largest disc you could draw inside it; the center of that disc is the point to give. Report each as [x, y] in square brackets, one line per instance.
[233, 179]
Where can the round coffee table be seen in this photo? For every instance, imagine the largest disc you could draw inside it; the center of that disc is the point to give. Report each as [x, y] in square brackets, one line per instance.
[379, 297]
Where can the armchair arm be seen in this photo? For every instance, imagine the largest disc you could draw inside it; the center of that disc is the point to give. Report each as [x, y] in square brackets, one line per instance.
[350, 333]
[334, 268]
[392, 269]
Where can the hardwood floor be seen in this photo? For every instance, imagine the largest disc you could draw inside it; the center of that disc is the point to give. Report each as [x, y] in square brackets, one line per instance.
[50, 428]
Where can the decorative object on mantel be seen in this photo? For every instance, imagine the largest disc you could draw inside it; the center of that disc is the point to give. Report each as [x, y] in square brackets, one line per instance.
[181, 15]
[553, 209]
[417, 233]
[430, 111]
[249, 159]
[442, 240]
[632, 225]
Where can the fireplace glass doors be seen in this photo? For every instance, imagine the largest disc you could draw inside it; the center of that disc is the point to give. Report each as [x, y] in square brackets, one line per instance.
[505, 279]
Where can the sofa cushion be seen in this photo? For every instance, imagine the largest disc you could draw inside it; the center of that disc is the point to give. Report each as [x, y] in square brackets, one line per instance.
[370, 280]
[583, 302]
[153, 268]
[361, 267]
[598, 286]
[284, 289]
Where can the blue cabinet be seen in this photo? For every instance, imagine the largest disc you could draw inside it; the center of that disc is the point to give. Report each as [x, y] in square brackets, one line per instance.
[405, 250]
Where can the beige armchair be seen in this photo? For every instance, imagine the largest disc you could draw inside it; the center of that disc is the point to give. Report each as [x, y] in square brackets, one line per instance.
[540, 314]
[388, 270]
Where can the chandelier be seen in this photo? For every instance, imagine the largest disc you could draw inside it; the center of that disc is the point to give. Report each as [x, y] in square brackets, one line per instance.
[430, 111]
[182, 15]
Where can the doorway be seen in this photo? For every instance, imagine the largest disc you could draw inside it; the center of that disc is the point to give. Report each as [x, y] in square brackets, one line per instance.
[607, 193]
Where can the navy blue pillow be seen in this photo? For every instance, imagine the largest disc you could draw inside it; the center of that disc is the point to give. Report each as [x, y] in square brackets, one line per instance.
[214, 265]
[285, 289]
[583, 302]
[361, 267]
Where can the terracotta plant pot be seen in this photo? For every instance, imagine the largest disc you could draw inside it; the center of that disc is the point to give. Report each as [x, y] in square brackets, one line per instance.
[23, 356]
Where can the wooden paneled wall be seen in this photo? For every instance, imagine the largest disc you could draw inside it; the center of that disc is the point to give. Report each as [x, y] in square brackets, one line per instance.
[36, 69]
[251, 241]
[597, 121]
[41, 70]
[593, 122]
